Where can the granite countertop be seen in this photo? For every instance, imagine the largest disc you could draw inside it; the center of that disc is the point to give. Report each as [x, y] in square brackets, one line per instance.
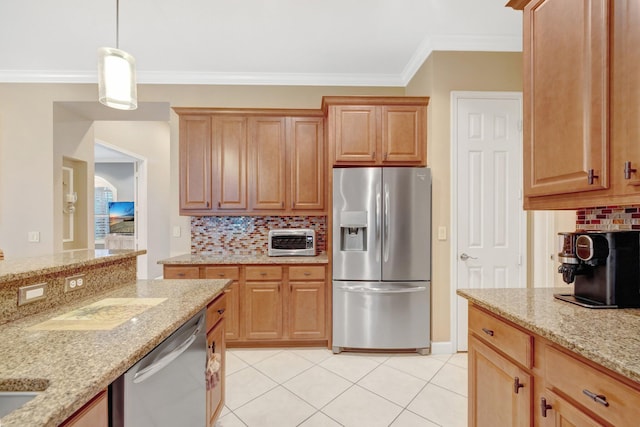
[609, 337]
[204, 258]
[24, 268]
[73, 366]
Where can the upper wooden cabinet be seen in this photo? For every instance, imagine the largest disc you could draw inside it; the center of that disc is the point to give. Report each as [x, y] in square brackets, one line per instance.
[244, 162]
[581, 81]
[376, 130]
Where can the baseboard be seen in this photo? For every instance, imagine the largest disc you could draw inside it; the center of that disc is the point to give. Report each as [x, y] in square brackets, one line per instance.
[444, 347]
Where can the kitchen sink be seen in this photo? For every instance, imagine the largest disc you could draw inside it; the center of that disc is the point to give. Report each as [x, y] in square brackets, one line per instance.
[12, 400]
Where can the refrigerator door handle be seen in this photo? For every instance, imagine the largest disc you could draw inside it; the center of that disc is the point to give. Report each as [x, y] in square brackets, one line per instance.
[378, 213]
[387, 214]
[362, 290]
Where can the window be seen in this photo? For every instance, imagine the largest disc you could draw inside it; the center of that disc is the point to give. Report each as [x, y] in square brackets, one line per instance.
[104, 193]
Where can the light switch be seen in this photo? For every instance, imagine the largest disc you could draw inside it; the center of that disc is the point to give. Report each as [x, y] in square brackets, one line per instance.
[442, 233]
[176, 231]
[34, 236]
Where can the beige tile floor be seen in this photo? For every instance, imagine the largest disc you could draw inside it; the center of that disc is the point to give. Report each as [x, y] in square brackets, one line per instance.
[315, 388]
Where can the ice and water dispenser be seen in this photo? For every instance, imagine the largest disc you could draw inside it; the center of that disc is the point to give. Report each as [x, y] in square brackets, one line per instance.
[353, 231]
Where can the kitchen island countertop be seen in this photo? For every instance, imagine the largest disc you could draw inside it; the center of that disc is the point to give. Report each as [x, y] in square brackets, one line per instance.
[609, 337]
[70, 367]
[204, 258]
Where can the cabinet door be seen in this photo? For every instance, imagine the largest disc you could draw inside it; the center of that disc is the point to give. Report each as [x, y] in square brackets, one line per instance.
[557, 412]
[267, 168]
[355, 133]
[566, 92]
[232, 296]
[306, 140]
[306, 310]
[93, 414]
[195, 162]
[230, 151]
[626, 97]
[263, 310]
[495, 398]
[215, 389]
[404, 134]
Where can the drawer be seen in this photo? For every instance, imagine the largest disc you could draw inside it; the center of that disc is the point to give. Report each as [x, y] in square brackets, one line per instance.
[264, 273]
[215, 311]
[306, 273]
[181, 272]
[610, 399]
[511, 341]
[232, 273]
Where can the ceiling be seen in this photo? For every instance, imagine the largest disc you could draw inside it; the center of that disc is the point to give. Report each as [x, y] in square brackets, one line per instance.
[292, 42]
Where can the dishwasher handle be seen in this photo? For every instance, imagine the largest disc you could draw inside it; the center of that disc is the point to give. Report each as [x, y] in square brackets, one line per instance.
[156, 367]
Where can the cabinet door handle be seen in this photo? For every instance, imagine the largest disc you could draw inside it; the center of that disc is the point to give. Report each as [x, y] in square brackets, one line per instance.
[373, 155]
[386, 155]
[544, 407]
[628, 170]
[600, 398]
[591, 177]
[219, 205]
[207, 204]
[517, 385]
[220, 311]
[487, 331]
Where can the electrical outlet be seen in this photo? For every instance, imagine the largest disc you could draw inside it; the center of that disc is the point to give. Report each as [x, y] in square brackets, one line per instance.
[73, 283]
[31, 293]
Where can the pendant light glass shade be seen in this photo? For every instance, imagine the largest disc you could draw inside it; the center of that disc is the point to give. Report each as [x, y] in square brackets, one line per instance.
[117, 79]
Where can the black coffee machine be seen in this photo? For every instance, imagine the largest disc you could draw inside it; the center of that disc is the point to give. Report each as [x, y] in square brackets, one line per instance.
[605, 266]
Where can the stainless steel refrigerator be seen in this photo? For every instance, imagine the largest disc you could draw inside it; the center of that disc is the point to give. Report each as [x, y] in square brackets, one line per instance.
[381, 258]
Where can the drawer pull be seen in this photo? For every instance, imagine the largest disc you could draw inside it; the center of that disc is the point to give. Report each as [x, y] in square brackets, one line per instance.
[600, 398]
[221, 274]
[307, 273]
[220, 311]
[487, 331]
[544, 407]
[262, 273]
[180, 274]
[517, 385]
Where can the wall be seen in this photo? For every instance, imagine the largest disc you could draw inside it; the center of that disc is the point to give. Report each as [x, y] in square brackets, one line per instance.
[442, 73]
[120, 175]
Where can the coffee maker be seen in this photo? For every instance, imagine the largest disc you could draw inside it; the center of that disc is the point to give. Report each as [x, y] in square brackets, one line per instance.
[605, 266]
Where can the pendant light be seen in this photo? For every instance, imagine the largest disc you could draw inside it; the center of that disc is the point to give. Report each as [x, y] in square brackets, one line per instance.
[117, 75]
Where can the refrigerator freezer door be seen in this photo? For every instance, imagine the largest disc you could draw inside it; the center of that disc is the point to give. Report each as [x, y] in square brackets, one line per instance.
[357, 211]
[406, 234]
[376, 315]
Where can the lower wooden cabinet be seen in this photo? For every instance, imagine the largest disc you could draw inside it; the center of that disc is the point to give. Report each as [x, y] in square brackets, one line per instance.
[269, 304]
[216, 351]
[93, 414]
[499, 391]
[558, 387]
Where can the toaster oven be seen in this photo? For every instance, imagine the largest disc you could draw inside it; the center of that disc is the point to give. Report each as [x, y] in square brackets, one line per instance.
[292, 242]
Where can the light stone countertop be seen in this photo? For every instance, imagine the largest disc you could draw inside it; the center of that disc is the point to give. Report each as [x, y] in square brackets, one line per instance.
[609, 337]
[204, 258]
[25, 268]
[77, 365]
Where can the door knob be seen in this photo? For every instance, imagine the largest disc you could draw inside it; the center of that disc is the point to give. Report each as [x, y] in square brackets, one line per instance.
[465, 257]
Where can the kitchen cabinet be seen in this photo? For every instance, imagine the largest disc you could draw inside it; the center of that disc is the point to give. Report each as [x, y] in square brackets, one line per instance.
[215, 320]
[500, 380]
[517, 377]
[94, 414]
[259, 162]
[271, 304]
[195, 162]
[377, 131]
[232, 297]
[263, 303]
[581, 79]
[179, 272]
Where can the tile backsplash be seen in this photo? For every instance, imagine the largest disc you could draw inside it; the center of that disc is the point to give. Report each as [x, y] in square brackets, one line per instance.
[247, 235]
[608, 218]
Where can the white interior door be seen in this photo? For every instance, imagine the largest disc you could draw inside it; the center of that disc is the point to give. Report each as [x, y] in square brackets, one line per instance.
[489, 225]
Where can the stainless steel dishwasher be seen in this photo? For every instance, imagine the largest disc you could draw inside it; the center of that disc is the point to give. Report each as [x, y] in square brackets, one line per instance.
[167, 386]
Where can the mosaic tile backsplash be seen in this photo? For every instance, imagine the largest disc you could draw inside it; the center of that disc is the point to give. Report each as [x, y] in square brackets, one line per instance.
[608, 218]
[248, 235]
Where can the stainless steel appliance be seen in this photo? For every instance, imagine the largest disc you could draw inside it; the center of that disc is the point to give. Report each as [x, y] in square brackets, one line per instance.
[167, 386]
[292, 242]
[381, 258]
[605, 266]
